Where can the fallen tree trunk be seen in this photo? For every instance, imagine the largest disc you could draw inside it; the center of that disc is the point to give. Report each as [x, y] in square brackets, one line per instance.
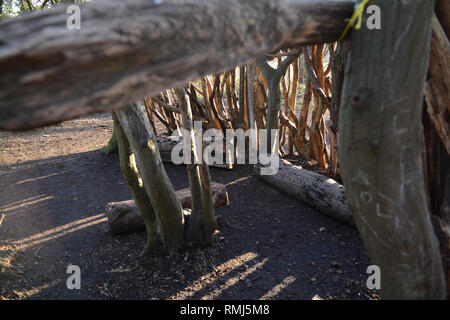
[124, 216]
[319, 191]
[127, 50]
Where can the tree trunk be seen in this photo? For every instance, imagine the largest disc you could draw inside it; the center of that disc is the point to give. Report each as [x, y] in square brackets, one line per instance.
[293, 104]
[303, 119]
[380, 146]
[242, 98]
[169, 215]
[112, 143]
[134, 182]
[273, 77]
[322, 102]
[208, 203]
[337, 57]
[273, 110]
[251, 103]
[202, 222]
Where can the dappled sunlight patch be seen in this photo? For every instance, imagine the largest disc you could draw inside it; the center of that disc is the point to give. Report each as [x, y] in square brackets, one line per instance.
[15, 209]
[28, 293]
[7, 254]
[25, 202]
[211, 278]
[37, 178]
[272, 293]
[238, 181]
[64, 139]
[234, 280]
[59, 231]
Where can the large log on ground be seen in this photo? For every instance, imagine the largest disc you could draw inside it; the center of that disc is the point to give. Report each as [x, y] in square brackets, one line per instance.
[127, 50]
[319, 191]
[124, 216]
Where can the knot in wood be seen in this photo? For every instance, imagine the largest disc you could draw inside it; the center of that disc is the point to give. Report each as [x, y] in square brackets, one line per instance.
[360, 97]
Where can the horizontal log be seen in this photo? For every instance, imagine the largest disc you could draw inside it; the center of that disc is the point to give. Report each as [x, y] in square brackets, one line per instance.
[166, 145]
[316, 190]
[124, 216]
[127, 50]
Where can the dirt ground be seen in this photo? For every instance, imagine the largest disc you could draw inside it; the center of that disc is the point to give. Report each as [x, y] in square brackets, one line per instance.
[55, 183]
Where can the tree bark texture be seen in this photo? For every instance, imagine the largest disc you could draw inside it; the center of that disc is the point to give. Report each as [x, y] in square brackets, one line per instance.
[380, 146]
[169, 215]
[132, 178]
[316, 190]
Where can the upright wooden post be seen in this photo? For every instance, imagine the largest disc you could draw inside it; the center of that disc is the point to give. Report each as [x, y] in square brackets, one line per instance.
[168, 211]
[380, 146]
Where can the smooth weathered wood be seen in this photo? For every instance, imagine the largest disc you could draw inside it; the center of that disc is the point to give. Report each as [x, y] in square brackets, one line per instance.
[218, 191]
[202, 206]
[124, 216]
[322, 102]
[132, 178]
[134, 122]
[273, 77]
[316, 190]
[380, 147]
[127, 50]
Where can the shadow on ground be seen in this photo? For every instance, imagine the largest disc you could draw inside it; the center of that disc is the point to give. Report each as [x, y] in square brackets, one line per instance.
[268, 245]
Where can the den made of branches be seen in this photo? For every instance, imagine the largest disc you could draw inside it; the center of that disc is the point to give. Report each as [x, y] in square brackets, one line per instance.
[369, 112]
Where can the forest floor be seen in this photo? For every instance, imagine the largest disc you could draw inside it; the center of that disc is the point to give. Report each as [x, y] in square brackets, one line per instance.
[55, 183]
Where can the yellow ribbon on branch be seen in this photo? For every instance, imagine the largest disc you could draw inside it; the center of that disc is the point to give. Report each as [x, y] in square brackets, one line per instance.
[356, 17]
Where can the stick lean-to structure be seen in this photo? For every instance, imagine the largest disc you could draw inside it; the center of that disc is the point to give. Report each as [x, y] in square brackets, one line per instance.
[128, 50]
